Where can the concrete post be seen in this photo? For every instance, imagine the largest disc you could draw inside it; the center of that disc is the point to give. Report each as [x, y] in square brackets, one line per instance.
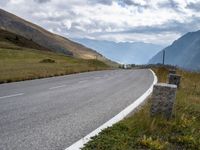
[163, 99]
[174, 79]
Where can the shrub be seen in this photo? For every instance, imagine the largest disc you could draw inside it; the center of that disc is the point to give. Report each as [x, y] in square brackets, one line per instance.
[150, 143]
[48, 60]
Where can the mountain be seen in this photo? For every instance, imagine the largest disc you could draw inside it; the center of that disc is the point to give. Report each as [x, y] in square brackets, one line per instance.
[44, 38]
[9, 40]
[22, 59]
[123, 52]
[184, 52]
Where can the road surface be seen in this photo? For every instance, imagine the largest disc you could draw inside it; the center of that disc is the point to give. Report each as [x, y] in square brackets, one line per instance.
[53, 113]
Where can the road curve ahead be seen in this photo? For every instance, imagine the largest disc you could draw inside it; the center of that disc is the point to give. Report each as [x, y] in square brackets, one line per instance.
[53, 113]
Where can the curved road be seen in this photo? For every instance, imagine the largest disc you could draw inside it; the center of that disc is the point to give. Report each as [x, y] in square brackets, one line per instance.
[53, 113]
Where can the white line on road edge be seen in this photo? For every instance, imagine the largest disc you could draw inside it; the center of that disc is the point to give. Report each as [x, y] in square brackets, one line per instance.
[8, 96]
[56, 87]
[79, 144]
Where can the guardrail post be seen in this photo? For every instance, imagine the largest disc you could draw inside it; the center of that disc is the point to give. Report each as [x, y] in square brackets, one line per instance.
[163, 99]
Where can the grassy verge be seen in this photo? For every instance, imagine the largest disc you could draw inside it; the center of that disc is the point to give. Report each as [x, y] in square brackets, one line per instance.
[140, 131]
[25, 64]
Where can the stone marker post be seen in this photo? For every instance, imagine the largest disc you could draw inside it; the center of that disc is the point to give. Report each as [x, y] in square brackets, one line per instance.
[174, 79]
[163, 99]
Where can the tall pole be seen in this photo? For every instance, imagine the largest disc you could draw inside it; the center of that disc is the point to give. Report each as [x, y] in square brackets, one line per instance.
[163, 57]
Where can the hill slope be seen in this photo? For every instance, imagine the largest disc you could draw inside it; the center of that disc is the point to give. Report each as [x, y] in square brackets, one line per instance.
[10, 40]
[22, 59]
[44, 38]
[124, 52]
[184, 52]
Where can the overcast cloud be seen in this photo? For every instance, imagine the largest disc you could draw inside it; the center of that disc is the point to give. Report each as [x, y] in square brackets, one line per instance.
[151, 21]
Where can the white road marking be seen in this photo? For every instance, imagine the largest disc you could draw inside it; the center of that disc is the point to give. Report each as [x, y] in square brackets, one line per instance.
[80, 143]
[13, 95]
[56, 87]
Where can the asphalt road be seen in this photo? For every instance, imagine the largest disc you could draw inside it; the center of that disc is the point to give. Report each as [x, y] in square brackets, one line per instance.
[53, 113]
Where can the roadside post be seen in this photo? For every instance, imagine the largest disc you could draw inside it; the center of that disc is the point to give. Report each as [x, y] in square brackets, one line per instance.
[163, 99]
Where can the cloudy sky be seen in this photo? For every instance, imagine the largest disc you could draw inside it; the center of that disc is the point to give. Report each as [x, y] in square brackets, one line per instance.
[151, 21]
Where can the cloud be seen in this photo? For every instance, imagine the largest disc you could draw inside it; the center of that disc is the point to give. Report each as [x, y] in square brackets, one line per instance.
[194, 6]
[42, 1]
[156, 21]
[105, 2]
[138, 3]
[3, 2]
[161, 38]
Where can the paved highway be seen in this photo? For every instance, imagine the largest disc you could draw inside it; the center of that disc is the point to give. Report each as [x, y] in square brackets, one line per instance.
[53, 113]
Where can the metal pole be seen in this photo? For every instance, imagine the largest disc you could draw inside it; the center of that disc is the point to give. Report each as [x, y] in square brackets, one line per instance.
[163, 57]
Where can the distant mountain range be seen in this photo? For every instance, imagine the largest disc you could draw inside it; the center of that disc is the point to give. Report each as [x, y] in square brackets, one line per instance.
[184, 52]
[45, 39]
[123, 52]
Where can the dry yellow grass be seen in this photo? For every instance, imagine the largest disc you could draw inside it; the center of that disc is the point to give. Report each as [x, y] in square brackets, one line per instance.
[140, 131]
[24, 64]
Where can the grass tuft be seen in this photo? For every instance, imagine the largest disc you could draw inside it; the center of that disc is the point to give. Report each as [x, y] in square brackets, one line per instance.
[48, 60]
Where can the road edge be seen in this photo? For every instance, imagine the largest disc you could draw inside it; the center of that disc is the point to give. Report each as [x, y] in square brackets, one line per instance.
[80, 143]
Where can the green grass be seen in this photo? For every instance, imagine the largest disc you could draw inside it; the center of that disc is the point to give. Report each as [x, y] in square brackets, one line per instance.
[140, 131]
[18, 63]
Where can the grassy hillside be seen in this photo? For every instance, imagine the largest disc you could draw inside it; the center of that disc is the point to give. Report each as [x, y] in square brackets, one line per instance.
[10, 40]
[140, 131]
[23, 64]
[23, 59]
[39, 35]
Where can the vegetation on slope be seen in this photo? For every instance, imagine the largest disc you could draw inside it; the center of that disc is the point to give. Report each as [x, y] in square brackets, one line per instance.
[10, 40]
[140, 131]
[23, 59]
[25, 64]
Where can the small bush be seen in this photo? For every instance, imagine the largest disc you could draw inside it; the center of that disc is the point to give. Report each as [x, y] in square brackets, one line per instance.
[187, 141]
[150, 143]
[47, 61]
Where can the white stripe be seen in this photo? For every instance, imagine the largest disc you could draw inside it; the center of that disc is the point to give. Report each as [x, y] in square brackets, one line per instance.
[8, 96]
[79, 144]
[56, 87]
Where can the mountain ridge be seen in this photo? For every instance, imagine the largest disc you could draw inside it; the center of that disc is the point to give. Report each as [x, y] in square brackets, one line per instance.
[124, 52]
[39, 35]
[183, 52]
[9, 40]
